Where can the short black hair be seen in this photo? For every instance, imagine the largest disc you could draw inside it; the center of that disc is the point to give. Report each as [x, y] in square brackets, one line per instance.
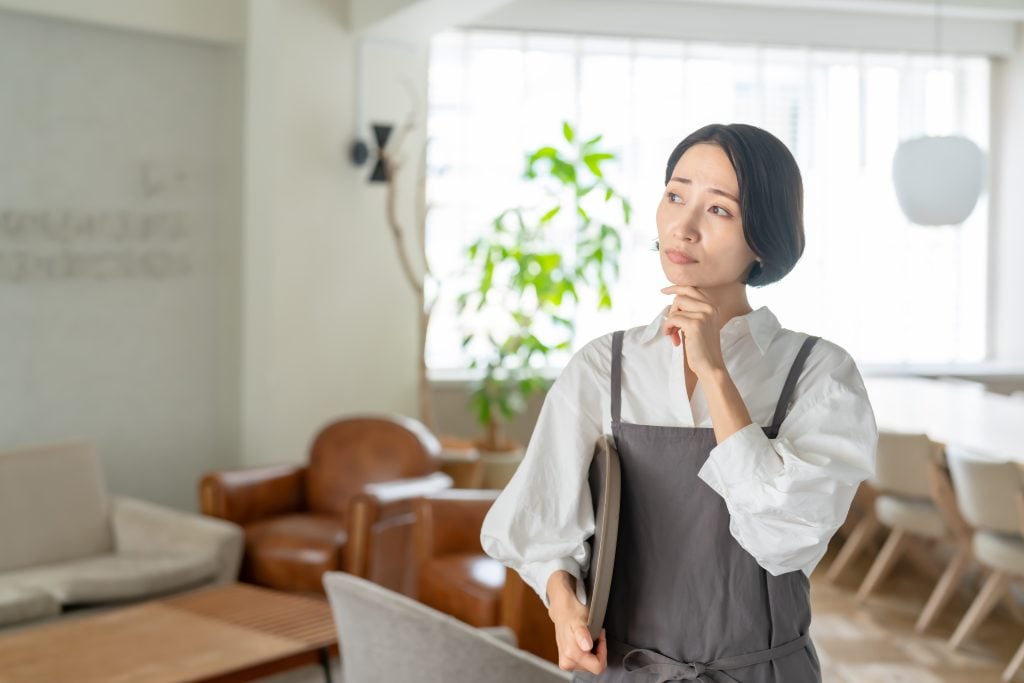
[771, 194]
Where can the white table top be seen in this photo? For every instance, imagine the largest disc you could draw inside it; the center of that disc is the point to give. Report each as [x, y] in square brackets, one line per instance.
[959, 415]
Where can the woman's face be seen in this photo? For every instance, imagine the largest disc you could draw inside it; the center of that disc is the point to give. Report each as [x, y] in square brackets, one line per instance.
[695, 217]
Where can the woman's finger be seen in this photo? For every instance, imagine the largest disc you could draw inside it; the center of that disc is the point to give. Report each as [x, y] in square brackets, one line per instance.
[689, 290]
[686, 303]
[589, 662]
[583, 637]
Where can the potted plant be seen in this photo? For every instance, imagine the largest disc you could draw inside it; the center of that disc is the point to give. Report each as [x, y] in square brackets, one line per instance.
[521, 282]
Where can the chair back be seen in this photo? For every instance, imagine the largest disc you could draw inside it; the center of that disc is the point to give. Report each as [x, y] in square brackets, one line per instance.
[363, 449]
[902, 464]
[385, 636]
[986, 491]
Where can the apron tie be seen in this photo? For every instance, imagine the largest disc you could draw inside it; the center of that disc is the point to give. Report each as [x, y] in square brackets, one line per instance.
[642, 660]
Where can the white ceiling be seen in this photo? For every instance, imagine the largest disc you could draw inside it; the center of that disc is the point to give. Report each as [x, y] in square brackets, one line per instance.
[974, 9]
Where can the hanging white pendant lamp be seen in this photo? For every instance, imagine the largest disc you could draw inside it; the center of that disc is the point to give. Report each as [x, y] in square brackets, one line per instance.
[938, 179]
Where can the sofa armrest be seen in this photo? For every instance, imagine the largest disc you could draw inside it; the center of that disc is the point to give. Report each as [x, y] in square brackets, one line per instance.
[245, 495]
[382, 506]
[450, 522]
[144, 528]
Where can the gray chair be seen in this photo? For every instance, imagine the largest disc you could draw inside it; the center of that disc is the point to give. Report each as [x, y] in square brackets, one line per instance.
[384, 636]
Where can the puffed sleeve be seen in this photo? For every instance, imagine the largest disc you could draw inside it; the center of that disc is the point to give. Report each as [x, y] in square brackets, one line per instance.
[541, 520]
[787, 496]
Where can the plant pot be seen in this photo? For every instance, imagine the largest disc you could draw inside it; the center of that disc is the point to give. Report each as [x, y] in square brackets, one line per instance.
[460, 460]
[499, 466]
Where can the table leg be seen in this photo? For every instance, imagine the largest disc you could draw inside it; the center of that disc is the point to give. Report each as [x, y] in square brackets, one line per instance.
[325, 662]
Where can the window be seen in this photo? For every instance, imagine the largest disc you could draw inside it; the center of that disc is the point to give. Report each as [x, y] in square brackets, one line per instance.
[886, 290]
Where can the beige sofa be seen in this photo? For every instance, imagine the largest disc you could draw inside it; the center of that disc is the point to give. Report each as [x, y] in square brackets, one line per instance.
[64, 543]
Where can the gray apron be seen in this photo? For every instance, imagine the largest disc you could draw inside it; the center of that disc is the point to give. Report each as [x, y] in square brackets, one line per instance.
[687, 602]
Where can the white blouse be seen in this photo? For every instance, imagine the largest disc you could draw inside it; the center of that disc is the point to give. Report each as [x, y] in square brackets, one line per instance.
[786, 496]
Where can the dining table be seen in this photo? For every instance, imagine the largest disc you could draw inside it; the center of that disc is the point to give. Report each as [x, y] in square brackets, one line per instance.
[963, 416]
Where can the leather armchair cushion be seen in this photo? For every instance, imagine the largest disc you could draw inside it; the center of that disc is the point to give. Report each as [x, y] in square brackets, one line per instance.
[467, 586]
[291, 552]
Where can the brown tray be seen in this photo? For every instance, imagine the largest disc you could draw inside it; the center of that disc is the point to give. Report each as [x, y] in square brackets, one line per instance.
[605, 489]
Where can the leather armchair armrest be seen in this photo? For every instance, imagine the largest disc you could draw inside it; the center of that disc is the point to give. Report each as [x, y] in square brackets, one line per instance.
[245, 495]
[523, 611]
[450, 522]
[381, 507]
[144, 528]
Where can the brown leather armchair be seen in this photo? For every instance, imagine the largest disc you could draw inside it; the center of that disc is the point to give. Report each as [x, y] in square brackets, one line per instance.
[457, 577]
[349, 508]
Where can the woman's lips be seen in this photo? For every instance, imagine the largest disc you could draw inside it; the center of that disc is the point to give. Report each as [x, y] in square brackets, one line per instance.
[679, 257]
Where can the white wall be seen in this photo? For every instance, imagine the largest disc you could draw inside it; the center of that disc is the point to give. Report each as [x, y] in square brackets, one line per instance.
[1007, 168]
[118, 273]
[218, 21]
[329, 322]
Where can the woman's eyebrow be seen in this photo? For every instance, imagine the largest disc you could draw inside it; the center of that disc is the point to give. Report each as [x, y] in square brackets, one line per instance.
[713, 190]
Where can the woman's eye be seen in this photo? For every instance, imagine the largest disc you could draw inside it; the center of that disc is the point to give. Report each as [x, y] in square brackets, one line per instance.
[671, 195]
[723, 215]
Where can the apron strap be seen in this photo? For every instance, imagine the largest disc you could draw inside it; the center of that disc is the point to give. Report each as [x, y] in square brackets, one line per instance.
[617, 384]
[787, 390]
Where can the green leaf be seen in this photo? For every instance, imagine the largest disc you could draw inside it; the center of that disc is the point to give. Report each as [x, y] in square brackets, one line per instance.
[583, 214]
[564, 171]
[592, 141]
[544, 153]
[550, 214]
[568, 132]
[608, 194]
[593, 162]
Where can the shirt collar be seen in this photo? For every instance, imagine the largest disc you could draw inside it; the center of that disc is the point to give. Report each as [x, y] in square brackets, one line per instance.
[761, 323]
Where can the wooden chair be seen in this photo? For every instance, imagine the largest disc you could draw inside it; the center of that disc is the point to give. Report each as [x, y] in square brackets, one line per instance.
[990, 496]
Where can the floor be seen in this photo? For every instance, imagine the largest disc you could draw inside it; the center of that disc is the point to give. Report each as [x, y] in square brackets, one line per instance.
[874, 643]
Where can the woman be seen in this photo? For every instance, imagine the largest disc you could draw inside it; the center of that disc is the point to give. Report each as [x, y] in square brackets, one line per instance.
[741, 442]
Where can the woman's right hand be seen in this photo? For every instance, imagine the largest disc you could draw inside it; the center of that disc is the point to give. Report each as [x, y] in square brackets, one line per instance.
[569, 616]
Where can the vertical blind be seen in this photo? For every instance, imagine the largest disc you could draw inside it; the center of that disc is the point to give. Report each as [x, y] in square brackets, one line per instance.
[886, 290]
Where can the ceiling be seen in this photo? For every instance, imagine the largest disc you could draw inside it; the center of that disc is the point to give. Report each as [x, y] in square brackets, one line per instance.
[973, 9]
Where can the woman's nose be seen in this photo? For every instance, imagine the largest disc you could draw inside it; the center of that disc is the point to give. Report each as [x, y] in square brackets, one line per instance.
[687, 225]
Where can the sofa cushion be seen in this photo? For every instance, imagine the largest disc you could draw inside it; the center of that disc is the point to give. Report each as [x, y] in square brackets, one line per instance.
[53, 505]
[293, 551]
[466, 586]
[24, 603]
[114, 577]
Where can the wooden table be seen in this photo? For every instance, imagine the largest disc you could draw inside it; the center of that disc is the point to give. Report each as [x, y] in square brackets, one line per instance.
[989, 426]
[222, 633]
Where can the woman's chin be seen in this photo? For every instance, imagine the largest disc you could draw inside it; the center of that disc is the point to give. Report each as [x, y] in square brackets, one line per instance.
[677, 278]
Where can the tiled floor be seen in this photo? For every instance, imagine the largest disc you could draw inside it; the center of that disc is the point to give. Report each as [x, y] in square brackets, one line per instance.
[875, 643]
